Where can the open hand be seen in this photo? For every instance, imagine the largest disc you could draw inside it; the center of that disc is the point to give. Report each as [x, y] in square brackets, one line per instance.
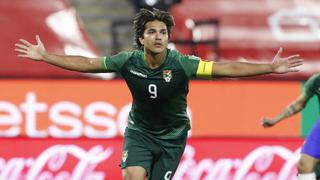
[33, 51]
[286, 64]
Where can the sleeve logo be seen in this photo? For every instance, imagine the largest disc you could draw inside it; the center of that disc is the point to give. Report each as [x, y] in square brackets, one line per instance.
[124, 155]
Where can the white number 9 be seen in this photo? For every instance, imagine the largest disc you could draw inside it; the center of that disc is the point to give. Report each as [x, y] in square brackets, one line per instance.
[152, 88]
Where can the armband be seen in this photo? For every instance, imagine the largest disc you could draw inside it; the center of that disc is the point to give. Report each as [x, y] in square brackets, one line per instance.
[204, 69]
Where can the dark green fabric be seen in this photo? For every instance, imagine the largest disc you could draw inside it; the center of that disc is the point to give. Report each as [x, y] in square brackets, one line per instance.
[159, 157]
[311, 111]
[159, 95]
[312, 87]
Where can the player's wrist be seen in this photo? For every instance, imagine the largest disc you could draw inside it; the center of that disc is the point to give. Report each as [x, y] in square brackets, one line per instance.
[44, 56]
[273, 67]
[276, 120]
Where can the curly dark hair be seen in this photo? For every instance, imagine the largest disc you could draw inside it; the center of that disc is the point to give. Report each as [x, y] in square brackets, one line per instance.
[144, 16]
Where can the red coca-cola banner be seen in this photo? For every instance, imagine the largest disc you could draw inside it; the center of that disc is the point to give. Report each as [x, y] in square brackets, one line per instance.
[31, 159]
[204, 158]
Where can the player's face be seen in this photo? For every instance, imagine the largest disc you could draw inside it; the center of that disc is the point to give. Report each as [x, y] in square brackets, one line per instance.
[155, 37]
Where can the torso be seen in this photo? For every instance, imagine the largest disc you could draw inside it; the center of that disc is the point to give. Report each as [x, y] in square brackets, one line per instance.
[159, 97]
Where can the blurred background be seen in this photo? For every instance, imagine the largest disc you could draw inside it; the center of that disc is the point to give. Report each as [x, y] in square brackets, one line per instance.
[58, 124]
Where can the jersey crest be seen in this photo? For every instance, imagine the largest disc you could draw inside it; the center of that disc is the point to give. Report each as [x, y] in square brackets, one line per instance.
[167, 75]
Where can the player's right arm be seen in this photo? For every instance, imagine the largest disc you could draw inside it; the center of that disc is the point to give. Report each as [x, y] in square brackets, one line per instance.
[293, 108]
[38, 52]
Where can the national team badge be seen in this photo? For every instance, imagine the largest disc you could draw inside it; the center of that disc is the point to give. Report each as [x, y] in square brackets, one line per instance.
[167, 75]
[124, 155]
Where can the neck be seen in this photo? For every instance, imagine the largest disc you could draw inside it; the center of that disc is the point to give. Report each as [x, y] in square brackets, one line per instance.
[154, 60]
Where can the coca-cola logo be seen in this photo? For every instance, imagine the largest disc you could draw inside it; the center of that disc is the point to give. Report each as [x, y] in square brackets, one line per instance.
[256, 165]
[50, 164]
[210, 159]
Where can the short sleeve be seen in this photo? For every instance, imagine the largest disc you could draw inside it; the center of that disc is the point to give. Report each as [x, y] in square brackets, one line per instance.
[309, 88]
[114, 63]
[190, 64]
[194, 66]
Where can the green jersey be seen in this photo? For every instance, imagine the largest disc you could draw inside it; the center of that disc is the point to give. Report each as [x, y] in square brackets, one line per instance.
[159, 95]
[312, 87]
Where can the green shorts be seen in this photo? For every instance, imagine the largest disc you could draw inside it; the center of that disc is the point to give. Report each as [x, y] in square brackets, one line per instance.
[159, 157]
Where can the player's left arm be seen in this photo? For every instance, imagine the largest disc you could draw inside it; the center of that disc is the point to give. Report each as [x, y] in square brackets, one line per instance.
[293, 108]
[241, 69]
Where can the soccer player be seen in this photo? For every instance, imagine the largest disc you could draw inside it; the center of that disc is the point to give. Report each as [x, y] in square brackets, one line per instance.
[310, 153]
[157, 78]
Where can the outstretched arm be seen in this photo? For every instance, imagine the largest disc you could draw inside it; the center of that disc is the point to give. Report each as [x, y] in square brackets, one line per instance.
[295, 107]
[38, 52]
[241, 69]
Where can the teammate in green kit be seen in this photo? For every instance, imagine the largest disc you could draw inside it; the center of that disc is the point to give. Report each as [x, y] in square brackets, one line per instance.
[310, 153]
[158, 81]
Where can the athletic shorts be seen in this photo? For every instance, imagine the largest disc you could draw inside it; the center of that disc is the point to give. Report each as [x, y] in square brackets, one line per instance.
[311, 145]
[159, 157]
